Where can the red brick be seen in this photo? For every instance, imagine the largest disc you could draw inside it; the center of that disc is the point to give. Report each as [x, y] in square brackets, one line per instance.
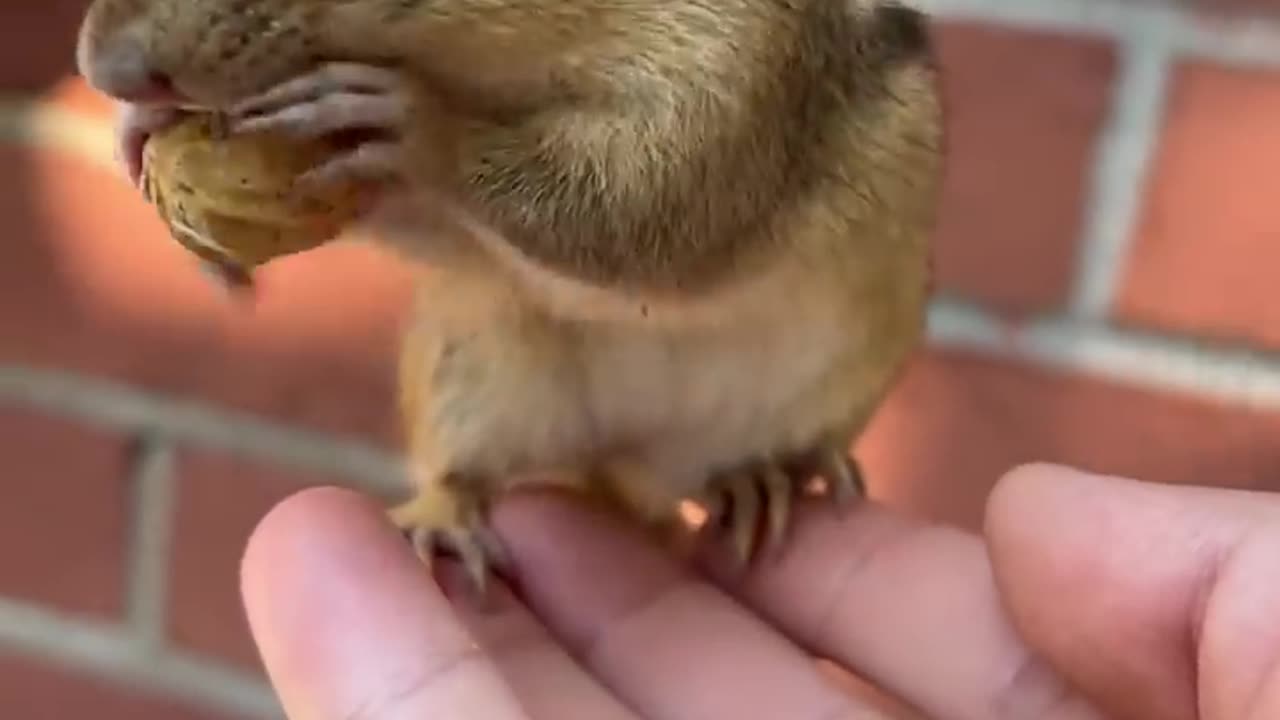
[35, 691]
[1209, 237]
[89, 282]
[220, 501]
[958, 422]
[63, 519]
[1024, 112]
[39, 42]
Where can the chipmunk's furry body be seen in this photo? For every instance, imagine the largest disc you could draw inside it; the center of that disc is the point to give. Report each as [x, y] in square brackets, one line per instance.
[676, 249]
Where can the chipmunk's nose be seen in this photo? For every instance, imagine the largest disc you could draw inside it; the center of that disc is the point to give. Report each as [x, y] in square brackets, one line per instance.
[119, 65]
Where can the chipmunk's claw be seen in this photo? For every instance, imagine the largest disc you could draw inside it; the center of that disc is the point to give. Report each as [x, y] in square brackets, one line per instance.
[743, 497]
[440, 521]
[842, 474]
[477, 547]
[740, 499]
[778, 489]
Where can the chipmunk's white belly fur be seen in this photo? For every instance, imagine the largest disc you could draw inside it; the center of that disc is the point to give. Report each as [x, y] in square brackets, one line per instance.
[688, 403]
[548, 393]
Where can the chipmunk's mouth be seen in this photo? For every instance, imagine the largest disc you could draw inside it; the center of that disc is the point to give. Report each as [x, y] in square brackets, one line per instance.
[133, 141]
[133, 151]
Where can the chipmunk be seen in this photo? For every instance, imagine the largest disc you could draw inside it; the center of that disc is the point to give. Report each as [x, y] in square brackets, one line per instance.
[672, 250]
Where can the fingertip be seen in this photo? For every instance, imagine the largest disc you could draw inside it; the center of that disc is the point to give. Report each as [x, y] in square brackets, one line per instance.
[1101, 574]
[307, 551]
[1041, 503]
[1017, 492]
[1044, 523]
[316, 518]
[346, 617]
[306, 508]
[1025, 486]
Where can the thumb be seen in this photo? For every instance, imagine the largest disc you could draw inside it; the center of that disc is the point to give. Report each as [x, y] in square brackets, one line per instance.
[1159, 602]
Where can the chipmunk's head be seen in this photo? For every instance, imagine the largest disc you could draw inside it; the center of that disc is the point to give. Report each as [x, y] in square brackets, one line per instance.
[192, 53]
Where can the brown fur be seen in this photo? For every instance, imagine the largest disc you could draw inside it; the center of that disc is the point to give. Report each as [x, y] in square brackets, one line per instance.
[665, 238]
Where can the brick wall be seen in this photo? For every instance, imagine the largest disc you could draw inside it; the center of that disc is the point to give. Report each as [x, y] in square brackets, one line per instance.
[1106, 299]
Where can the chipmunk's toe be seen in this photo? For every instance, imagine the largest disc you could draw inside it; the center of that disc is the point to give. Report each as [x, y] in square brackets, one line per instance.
[448, 521]
[753, 503]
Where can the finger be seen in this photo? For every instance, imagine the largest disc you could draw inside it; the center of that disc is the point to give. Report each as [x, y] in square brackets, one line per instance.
[908, 606]
[549, 683]
[327, 78]
[1160, 601]
[373, 161]
[350, 625]
[671, 646]
[331, 113]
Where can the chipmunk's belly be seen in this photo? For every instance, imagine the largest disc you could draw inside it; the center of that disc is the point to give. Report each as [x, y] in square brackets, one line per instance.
[686, 402]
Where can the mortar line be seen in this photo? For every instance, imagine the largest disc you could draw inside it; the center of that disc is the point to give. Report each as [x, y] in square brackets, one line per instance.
[154, 489]
[120, 407]
[40, 123]
[1247, 39]
[1122, 158]
[1244, 41]
[1237, 377]
[111, 652]
[1078, 17]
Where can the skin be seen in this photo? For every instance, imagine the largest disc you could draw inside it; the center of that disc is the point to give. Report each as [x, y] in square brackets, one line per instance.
[1085, 597]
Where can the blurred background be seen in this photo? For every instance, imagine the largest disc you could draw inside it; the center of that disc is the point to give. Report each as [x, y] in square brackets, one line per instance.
[1105, 267]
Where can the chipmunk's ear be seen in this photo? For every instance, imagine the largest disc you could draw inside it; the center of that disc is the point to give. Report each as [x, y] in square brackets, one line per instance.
[897, 33]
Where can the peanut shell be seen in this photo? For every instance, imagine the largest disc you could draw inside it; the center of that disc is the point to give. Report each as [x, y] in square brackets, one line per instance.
[228, 198]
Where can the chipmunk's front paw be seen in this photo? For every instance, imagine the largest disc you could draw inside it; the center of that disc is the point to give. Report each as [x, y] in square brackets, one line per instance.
[452, 520]
[370, 102]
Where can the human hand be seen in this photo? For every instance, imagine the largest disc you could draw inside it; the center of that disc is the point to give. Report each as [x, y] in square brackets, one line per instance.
[1088, 597]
